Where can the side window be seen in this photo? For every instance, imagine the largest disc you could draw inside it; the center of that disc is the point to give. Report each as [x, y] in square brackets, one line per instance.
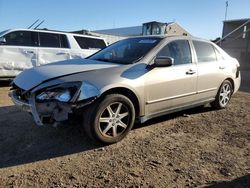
[204, 51]
[49, 40]
[21, 38]
[90, 43]
[179, 50]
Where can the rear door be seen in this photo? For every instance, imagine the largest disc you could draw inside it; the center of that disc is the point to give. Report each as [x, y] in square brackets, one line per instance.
[175, 86]
[53, 47]
[18, 53]
[210, 70]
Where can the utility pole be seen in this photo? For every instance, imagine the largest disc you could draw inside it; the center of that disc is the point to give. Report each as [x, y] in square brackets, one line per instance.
[226, 10]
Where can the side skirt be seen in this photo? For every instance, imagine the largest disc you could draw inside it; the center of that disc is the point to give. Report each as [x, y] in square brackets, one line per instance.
[143, 119]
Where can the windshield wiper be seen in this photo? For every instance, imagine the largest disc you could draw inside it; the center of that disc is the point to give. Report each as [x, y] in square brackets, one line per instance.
[110, 60]
[103, 59]
[139, 59]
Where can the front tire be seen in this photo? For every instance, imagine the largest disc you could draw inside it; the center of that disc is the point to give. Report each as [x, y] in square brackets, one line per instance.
[223, 96]
[108, 120]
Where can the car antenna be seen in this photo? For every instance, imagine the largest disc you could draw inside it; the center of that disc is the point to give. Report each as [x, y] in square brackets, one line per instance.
[33, 24]
[39, 24]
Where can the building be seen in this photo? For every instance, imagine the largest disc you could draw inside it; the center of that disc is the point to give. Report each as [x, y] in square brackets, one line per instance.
[149, 28]
[236, 40]
[110, 38]
[123, 31]
[158, 28]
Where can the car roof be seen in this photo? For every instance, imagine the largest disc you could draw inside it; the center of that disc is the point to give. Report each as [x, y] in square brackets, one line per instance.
[175, 37]
[52, 31]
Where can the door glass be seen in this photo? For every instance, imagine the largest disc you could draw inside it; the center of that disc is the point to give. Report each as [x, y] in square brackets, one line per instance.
[21, 38]
[179, 50]
[49, 40]
[204, 51]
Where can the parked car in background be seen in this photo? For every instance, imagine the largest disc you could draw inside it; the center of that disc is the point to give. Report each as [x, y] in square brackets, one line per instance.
[21, 49]
[134, 79]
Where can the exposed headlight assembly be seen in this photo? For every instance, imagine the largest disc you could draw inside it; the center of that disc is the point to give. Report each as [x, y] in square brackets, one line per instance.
[63, 96]
[62, 93]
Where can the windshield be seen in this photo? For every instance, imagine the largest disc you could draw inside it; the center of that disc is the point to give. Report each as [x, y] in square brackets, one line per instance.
[3, 32]
[126, 51]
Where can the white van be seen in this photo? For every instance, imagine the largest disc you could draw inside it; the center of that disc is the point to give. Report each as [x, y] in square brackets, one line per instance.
[21, 49]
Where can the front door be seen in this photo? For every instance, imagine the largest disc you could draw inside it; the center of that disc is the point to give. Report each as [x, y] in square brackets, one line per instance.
[19, 52]
[175, 86]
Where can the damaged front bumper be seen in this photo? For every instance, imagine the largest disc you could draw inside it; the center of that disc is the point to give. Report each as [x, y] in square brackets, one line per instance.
[50, 112]
[43, 113]
[28, 106]
[50, 105]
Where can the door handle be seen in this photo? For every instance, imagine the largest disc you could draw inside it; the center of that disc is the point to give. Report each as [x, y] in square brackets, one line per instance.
[61, 53]
[190, 72]
[28, 52]
[222, 67]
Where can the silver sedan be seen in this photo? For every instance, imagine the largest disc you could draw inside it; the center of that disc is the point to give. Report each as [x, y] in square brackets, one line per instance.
[134, 79]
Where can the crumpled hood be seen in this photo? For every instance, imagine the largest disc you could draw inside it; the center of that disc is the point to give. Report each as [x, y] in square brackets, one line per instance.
[30, 78]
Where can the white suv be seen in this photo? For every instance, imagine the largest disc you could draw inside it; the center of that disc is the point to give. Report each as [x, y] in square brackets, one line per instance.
[25, 48]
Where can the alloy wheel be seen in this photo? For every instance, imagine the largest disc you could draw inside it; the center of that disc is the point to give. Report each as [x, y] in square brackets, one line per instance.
[225, 94]
[114, 120]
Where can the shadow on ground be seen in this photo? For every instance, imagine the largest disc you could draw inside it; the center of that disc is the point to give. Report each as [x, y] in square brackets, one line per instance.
[243, 181]
[21, 141]
[4, 83]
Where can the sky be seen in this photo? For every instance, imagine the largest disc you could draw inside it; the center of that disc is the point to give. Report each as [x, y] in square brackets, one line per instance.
[202, 18]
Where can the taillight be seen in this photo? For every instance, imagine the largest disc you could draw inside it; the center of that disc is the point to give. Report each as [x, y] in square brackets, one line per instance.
[237, 71]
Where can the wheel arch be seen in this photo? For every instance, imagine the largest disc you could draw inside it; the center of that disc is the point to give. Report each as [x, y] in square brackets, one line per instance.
[126, 92]
[231, 81]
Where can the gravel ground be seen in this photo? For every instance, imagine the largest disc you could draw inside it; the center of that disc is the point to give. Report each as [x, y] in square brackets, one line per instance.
[200, 147]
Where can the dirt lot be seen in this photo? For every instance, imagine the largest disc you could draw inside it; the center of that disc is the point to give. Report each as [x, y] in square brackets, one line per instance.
[199, 147]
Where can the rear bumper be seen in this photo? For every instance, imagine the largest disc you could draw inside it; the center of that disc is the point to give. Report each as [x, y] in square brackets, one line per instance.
[237, 82]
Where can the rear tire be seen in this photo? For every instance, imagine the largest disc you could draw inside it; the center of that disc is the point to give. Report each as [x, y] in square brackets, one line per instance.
[223, 96]
[109, 119]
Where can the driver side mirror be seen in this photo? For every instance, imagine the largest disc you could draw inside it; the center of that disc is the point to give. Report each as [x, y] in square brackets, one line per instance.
[163, 61]
[2, 40]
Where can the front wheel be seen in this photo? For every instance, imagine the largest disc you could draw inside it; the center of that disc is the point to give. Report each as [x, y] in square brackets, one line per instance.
[224, 95]
[110, 119]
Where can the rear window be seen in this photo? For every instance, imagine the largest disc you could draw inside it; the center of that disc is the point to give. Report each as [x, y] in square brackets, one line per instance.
[53, 40]
[204, 51]
[21, 38]
[90, 43]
